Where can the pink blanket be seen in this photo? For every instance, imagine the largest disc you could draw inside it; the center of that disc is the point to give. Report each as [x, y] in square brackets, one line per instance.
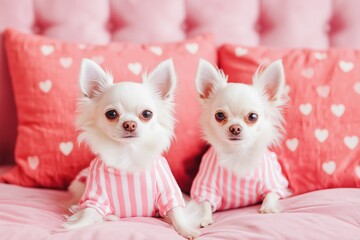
[28, 213]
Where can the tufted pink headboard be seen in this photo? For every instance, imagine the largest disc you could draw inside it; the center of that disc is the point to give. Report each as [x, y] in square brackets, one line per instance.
[280, 23]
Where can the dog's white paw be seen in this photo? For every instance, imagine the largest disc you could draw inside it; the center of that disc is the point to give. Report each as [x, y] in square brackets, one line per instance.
[206, 218]
[187, 232]
[82, 218]
[181, 223]
[269, 204]
[206, 221]
[268, 207]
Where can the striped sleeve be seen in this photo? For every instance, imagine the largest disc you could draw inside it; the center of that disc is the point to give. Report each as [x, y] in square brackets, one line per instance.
[169, 194]
[95, 195]
[204, 187]
[82, 175]
[274, 180]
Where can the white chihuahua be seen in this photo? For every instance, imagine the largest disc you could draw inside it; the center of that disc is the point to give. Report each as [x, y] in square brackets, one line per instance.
[240, 122]
[128, 126]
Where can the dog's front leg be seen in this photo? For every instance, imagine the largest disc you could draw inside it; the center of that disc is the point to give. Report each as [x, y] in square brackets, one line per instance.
[206, 217]
[269, 204]
[179, 221]
[83, 218]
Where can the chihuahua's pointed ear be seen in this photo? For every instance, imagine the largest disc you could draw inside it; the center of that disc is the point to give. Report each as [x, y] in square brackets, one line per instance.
[208, 79]
[93, 79]
[271, 81]
[162, 79]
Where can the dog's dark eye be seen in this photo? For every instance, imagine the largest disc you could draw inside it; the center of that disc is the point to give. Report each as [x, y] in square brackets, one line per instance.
[252, 117]
[220, 116]
[111, 114]
[146, 114]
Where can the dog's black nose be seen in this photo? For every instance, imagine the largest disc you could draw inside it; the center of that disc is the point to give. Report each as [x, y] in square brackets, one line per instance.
[235, 129]
[129, 126]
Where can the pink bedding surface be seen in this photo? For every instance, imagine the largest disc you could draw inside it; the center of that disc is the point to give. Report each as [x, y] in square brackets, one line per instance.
[28, 213]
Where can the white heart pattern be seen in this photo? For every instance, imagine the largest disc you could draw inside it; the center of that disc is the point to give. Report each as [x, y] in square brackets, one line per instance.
[33, 162]
[66, 62]
[357, 87]
[329, 167]
[292, 144]
[135, 68]
[66, 148]
[45, 86]
[239, 51]
[47, 49]
[305, 109]
[308, 73]
[351, 142]
[156, 50]
[321, 134]
[323, 91]
[320, 56]
[346, 66]
[192, 47]
[357, 171]
[337, 109]
[98, 59]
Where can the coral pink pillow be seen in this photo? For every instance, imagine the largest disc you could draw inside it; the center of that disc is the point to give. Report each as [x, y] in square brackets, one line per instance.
[321, 148]
[45, 75]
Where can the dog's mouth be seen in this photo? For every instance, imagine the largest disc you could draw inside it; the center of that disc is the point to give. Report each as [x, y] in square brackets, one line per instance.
[235, 139]
[129, 136]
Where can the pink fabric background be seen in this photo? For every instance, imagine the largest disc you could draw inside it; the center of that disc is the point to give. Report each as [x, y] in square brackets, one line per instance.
[327, 214]
[281, 23]
[34, 213]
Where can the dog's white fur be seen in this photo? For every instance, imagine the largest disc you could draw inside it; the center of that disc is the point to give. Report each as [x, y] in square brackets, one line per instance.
[156, 94]
[118, 148]
[265, 97]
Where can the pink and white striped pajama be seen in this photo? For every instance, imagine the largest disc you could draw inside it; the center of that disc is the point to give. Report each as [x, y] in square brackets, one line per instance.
[131, 194]
[223, 189]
